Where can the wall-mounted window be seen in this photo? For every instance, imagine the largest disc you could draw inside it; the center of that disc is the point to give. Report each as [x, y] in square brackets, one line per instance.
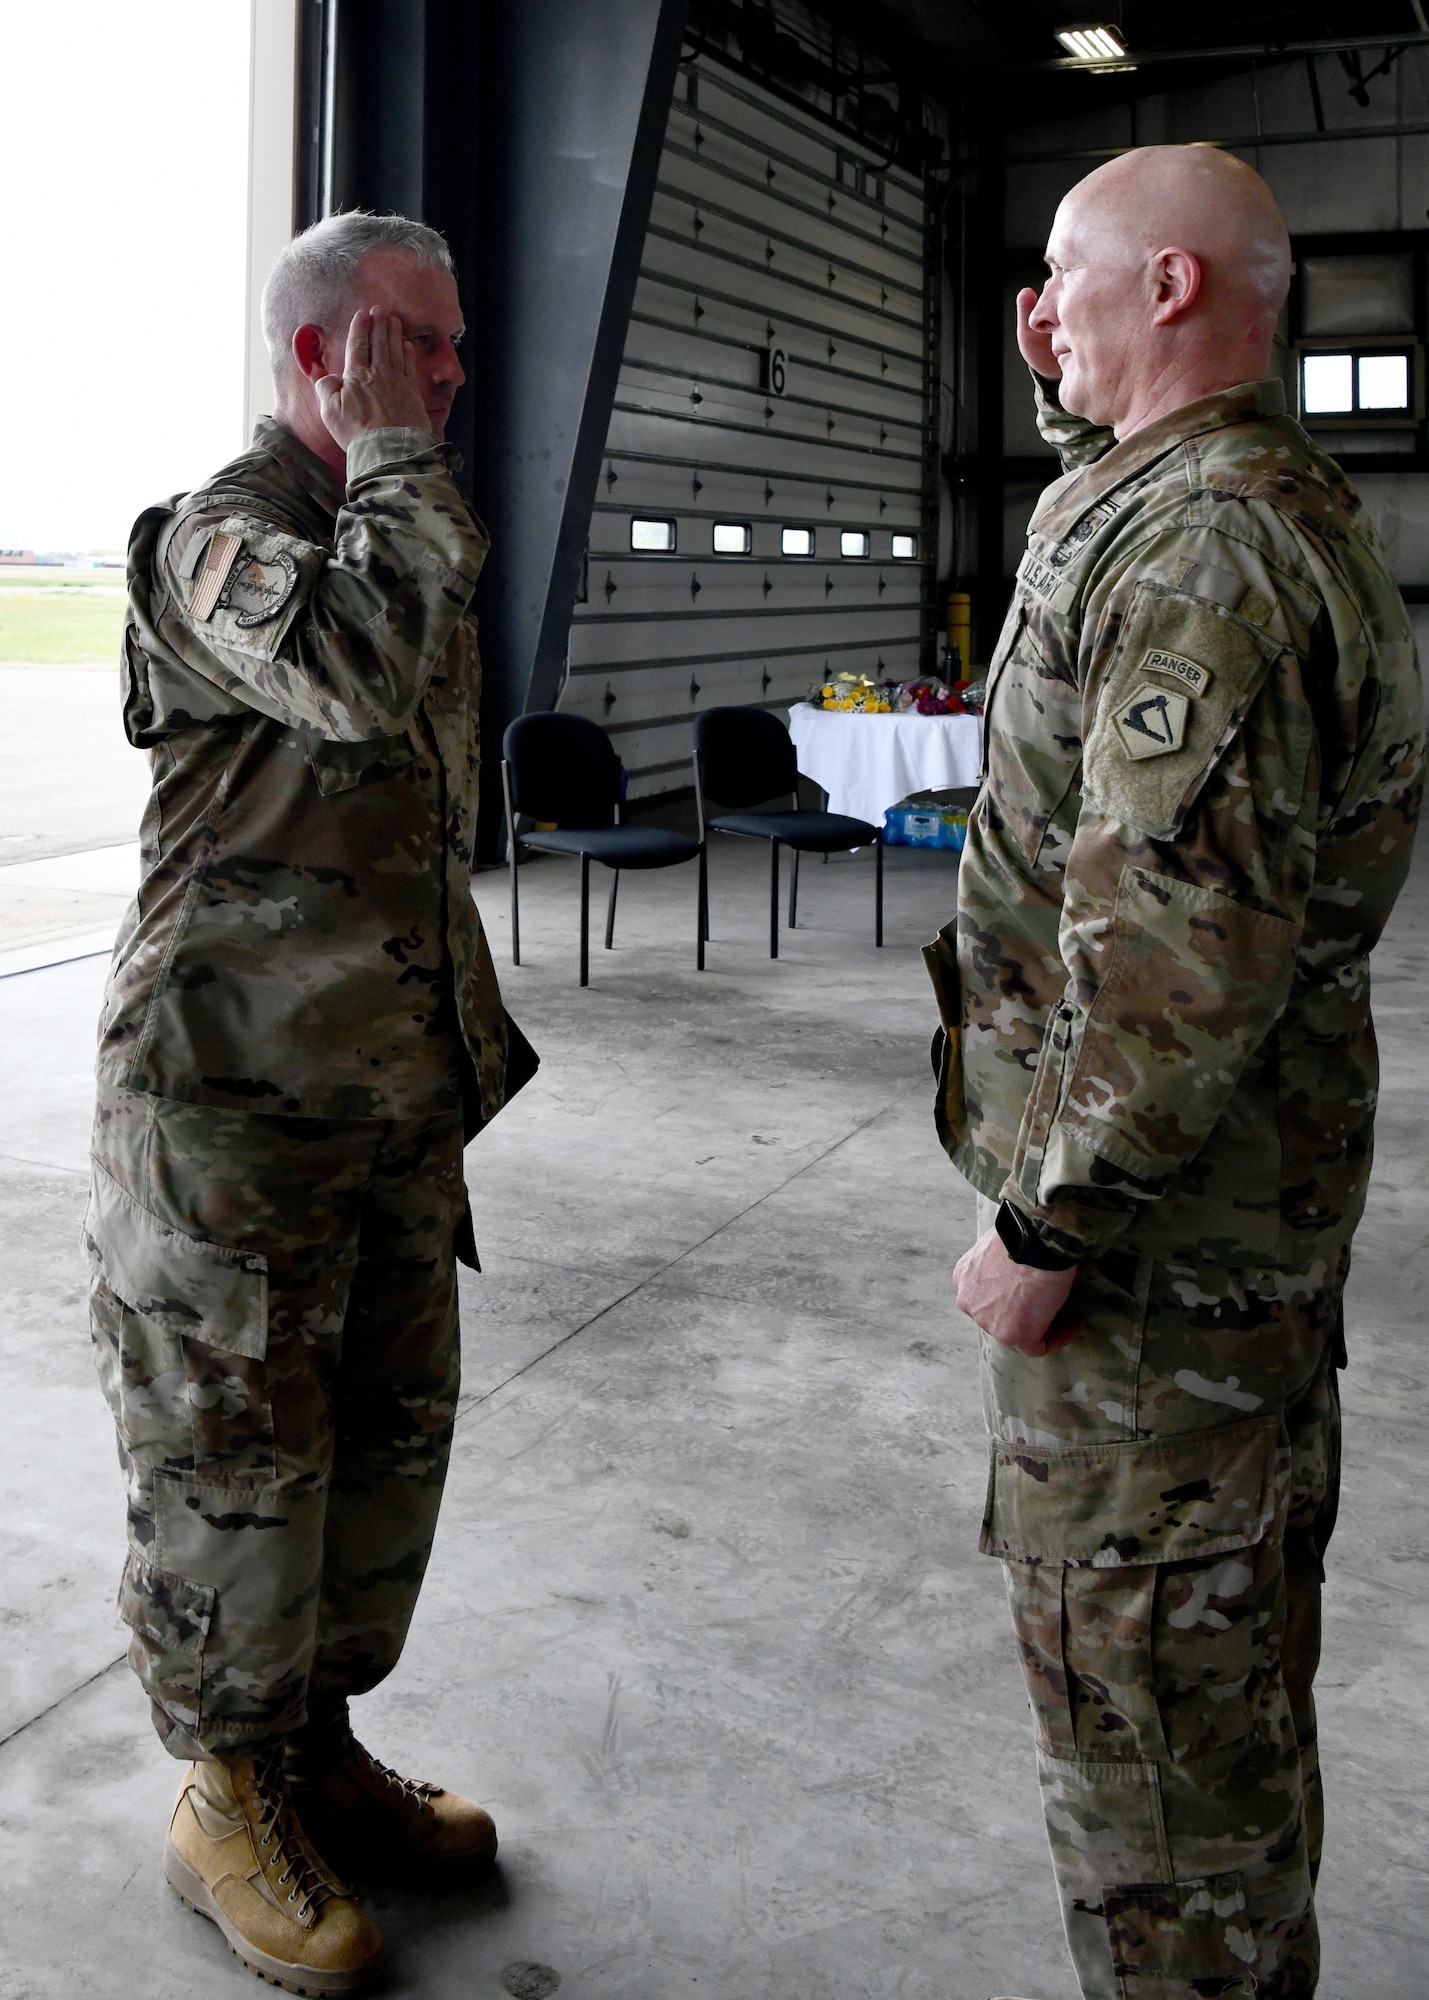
[652, 538]
[1357, 328]
[858, 177]
[733, 538]
[853, 542]
[905, 548]
[797, 541]
[1356, 383]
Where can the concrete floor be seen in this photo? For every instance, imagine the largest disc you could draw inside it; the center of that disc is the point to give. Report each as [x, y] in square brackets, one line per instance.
[68, 778]
[71, 795]
[705, 1625]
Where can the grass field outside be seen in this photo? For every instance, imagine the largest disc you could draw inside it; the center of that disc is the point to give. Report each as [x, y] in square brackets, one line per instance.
[60, 617]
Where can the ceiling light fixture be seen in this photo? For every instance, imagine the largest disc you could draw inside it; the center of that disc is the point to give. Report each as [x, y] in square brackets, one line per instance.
[1093, 45]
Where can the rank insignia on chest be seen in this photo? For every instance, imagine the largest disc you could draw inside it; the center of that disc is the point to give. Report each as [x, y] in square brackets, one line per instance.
[1153, 722]
[1082, 532]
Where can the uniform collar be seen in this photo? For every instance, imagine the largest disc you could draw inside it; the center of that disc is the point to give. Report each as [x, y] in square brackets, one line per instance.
[1066, 501]
[315, 478]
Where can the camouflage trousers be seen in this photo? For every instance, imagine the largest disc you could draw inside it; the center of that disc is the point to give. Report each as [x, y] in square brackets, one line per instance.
[1162, 1493]
[274, 1314]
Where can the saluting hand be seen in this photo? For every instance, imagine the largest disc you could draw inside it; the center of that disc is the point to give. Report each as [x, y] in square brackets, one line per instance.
[377, 389]
[1034, 342]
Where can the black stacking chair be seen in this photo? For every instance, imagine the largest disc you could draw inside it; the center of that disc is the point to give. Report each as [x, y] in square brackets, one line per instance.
[562, 769]
[744, 756]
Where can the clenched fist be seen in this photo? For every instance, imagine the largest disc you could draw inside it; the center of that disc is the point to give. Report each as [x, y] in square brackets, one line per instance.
[1018, 1305]
[377, 389]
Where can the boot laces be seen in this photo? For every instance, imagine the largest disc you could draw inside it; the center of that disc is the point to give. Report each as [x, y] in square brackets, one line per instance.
[411, 1791]
[281, 1839]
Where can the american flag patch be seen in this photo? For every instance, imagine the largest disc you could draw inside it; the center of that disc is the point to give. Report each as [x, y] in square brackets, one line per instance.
[222, 552]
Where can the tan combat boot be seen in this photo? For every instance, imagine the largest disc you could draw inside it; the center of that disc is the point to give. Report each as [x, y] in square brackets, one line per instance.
[237, 1854]
[375, 1822]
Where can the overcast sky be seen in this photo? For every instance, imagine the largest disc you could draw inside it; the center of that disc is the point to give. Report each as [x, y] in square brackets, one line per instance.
[123, 160]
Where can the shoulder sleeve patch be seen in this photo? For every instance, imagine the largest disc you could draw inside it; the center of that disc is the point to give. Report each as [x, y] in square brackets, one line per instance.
[256, 589]
[1178, 687]
[1152, 723]
[251, 585]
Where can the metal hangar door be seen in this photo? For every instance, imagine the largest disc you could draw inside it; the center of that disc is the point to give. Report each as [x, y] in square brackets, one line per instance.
[763, 511]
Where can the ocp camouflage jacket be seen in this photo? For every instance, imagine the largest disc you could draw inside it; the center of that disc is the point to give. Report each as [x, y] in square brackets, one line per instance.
[299, 663]
[1203, 768]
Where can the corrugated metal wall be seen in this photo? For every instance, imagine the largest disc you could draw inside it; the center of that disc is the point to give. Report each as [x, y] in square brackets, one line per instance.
[1334, 163]
[779, 372]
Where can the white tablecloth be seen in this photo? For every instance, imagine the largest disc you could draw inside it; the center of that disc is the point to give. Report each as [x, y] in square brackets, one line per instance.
[867, 763]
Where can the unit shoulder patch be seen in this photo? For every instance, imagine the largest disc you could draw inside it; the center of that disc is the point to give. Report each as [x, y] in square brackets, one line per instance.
[257, 589]
[1153, 722]
[1189, 674]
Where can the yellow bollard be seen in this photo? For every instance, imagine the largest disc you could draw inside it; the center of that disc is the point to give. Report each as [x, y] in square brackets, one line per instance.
[960, 631]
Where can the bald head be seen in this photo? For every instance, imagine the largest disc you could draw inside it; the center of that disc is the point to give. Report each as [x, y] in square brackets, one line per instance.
[1200, 199]
[1169, 267]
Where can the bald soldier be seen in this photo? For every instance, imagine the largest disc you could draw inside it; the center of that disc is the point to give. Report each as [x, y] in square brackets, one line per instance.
[301, 1028]
[1157, 1069]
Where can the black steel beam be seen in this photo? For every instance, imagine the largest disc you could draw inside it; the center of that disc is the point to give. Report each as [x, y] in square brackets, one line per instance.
[530, 135]
[576, 99]
[1415, 129]
[985, 269]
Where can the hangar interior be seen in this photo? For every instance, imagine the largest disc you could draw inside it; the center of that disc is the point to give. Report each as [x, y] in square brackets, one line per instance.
[705, 1624]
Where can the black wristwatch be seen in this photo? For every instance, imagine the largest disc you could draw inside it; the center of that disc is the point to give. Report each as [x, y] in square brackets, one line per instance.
[1022, 1243]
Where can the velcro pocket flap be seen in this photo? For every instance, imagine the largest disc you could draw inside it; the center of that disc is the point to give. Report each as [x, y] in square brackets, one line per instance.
[341, 767]
[949, 1105]
[1148, 1500]
[1181, 681]
[940, 956]
[214, 1294]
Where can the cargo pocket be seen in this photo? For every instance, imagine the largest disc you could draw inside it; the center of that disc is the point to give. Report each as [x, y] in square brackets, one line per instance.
[1143, 1580]
[949, 1104]
[169, 1618]
[1180, 1936]
[1195, 976]
[182, 1330]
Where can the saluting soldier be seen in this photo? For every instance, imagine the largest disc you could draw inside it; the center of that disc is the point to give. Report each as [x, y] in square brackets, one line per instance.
[1204, 761]
[302, 1027]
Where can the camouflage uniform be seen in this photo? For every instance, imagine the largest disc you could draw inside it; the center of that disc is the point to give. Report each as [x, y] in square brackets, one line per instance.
[1203, 767]
[302, 1024]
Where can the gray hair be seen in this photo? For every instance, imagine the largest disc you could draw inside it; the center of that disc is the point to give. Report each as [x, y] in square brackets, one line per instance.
[312, 280]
